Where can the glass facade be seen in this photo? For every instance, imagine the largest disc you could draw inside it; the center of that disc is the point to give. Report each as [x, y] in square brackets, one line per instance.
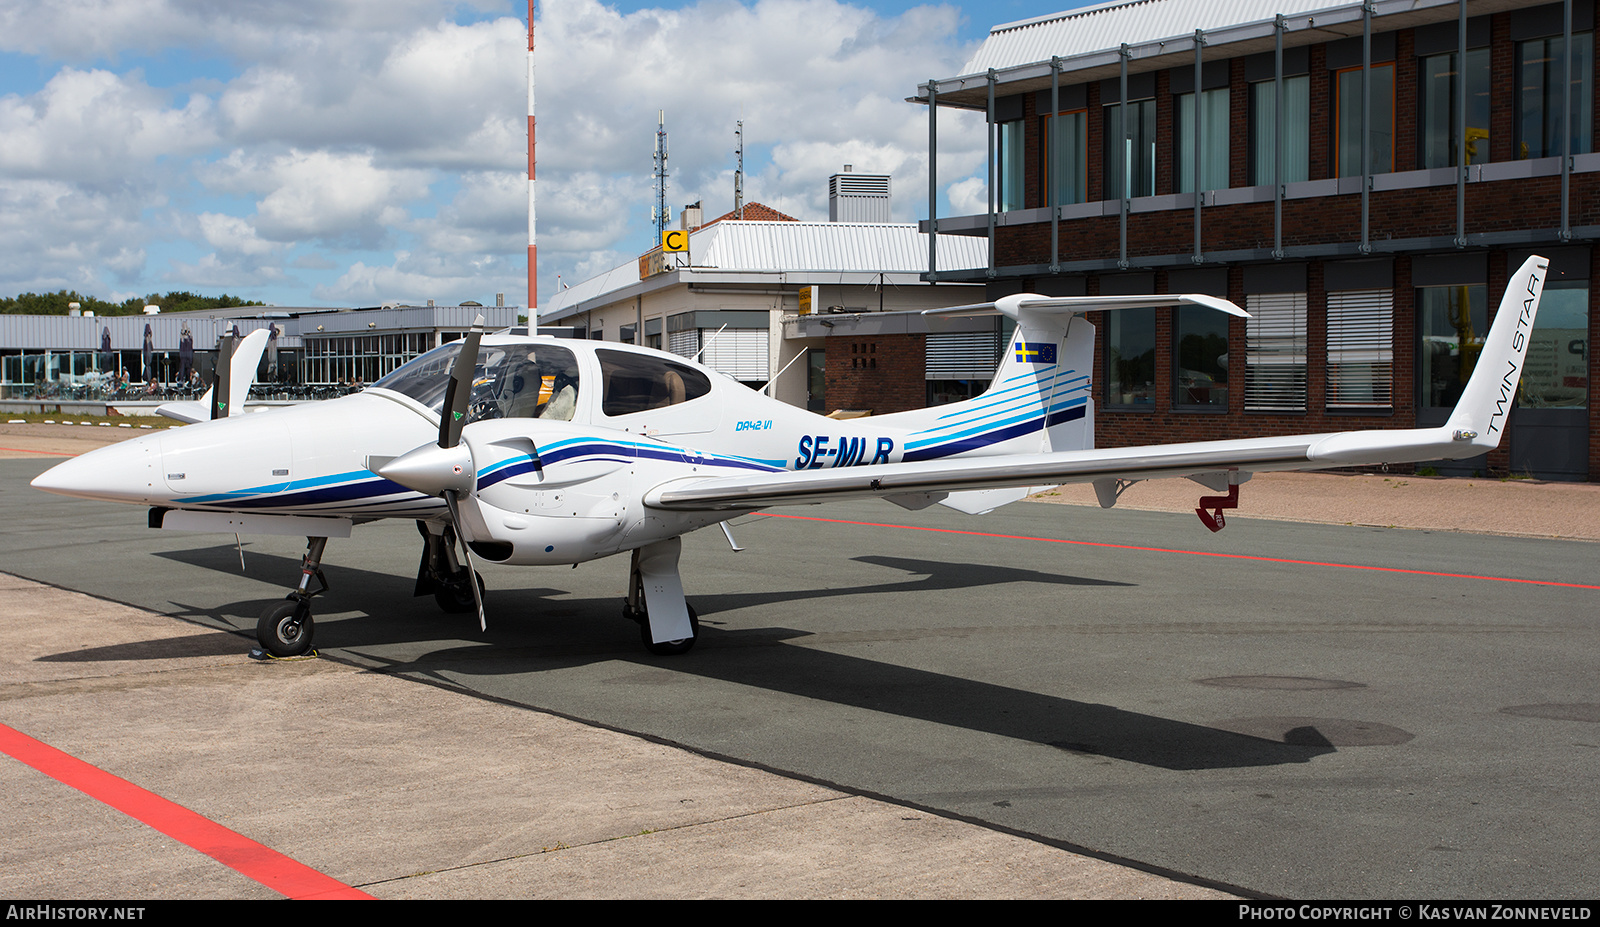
[1067, 156]
[1453, 321]
[1540, 123]
[1009, 184]
[1556, 375]
[1213, 128]
[1296, 137]
[1439, 125]
[1134, 156]
[360, 359]
[1201, 355]
[1130, 345]
[1347, 121]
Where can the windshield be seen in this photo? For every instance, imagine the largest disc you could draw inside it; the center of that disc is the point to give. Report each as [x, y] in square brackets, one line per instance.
[510, 381]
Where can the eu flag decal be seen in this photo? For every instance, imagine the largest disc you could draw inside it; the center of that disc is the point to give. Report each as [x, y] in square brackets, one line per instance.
[1043, 352]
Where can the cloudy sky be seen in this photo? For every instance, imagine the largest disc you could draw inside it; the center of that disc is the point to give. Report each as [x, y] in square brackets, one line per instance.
[353, 152]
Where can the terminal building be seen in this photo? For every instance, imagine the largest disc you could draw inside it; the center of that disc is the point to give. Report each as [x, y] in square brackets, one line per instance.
[1362, 178]
[803, 306]
[88, 357]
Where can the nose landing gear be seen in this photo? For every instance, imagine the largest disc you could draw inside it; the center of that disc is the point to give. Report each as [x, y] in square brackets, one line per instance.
[285, 629]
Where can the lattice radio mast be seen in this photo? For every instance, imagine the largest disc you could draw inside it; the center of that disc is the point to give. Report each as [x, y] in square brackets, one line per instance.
[661, 217]
[738, 174]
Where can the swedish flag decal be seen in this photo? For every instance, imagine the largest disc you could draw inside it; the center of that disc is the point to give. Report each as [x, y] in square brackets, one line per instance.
[1042, 352]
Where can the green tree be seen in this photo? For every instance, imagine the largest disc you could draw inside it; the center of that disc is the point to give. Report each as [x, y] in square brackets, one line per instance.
[173, 301]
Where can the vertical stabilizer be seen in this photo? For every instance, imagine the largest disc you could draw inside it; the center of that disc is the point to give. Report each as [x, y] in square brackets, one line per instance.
[1041, 398]
[1052, 356]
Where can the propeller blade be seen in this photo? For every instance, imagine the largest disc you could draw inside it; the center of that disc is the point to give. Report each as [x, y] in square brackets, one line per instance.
[220, 394]
[459, 391]
[472, 571]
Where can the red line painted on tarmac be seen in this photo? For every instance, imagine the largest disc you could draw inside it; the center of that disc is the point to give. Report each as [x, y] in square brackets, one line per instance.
[239, 853]
[23, 450]
[1194, 553]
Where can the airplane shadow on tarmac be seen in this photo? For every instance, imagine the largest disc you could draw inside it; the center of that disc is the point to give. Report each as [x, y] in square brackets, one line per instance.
[532, 630]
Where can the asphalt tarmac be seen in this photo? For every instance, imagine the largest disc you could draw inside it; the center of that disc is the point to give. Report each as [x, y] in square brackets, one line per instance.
[1301, 711]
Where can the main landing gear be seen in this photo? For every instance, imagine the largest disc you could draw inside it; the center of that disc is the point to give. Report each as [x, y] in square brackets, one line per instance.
[441, 574]
[285, 629]
[668, 625]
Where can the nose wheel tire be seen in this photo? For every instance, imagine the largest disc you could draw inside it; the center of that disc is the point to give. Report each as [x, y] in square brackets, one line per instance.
[665, 648]
[285, 629]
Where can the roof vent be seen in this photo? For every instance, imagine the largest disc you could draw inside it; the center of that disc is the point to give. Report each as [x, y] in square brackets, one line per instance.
[856, 197]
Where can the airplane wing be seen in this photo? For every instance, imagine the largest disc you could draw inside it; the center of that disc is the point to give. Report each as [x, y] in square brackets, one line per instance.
[1474, 427]
[1295, 452]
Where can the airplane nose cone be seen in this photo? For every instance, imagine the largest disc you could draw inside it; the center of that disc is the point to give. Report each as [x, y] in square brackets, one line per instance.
[432, 469]
[129, 471]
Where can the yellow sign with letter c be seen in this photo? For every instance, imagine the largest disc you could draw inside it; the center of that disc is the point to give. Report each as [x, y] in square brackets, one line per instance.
[675, 240]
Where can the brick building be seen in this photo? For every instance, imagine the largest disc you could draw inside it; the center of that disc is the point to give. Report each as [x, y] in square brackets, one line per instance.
[1425, 149]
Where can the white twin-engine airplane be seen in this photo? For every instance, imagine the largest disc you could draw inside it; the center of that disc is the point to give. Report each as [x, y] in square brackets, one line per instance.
[533, 450]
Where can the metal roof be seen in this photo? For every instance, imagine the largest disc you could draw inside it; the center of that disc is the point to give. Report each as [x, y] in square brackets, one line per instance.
[1161, 34]
[831, 247]
[792, 253]
[84, 333]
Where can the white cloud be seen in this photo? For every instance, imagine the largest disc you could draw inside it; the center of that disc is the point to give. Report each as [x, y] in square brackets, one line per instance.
[346, 199]
[95, 126]
[232, 234]
[54, 235]
[321, 132]
[970, 197]
[226, 274]
[416, 279]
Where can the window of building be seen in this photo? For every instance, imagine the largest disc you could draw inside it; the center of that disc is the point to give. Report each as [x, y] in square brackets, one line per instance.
[740, 353]
[1347, 121]
[1130, 340]
[944, 392]
[1361, 349]
[1452, 323]
[1556, 374]
[1539, 72]
[1275, 353]
[1213, 127]
[1133, 156]
[1296, 137]
[1066, 157]
[961, 365]
[1008, 171]
[1439, 126]
[1201, 336]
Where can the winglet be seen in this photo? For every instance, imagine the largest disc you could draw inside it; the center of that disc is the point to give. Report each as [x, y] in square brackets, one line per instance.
[1480, 416]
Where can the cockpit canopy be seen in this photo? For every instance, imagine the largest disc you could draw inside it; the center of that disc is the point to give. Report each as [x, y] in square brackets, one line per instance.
[509, 381]
[541, 381]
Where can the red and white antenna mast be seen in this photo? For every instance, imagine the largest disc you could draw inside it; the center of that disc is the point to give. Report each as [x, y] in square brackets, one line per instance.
[533, 237]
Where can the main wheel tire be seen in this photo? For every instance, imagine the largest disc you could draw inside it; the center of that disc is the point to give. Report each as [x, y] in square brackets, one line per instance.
[285, 629]
[670, 648]
[455, 596]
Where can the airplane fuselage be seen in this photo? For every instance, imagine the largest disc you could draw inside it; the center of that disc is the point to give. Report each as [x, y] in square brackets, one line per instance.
[567, 482]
